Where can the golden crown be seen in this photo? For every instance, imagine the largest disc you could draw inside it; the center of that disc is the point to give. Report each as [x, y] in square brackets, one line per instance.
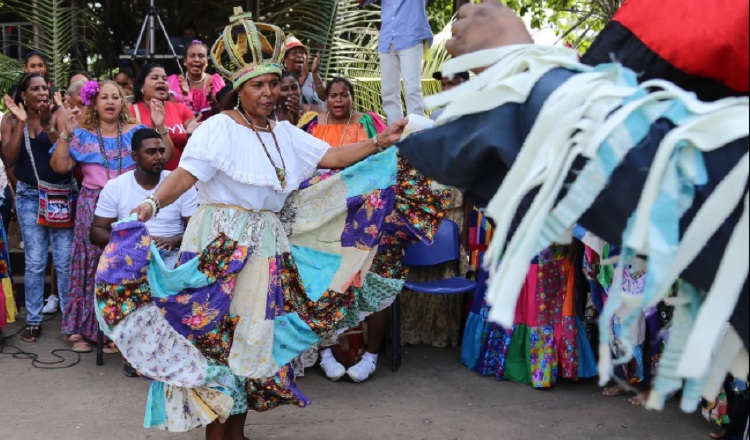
[244, 51]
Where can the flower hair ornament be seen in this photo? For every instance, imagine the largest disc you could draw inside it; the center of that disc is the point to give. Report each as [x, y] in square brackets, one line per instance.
[246, 50]
[89, 92]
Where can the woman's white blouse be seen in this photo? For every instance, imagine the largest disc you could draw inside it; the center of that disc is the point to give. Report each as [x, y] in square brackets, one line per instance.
[232, 168]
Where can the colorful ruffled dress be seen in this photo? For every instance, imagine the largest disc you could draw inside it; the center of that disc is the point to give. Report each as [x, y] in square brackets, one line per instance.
[647, 336]
[8, 310]
[547, 340]
[265, 270]
[79, 317]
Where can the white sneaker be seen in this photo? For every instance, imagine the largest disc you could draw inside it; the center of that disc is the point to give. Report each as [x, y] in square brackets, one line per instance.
[331, 367]
[50, 306]
[364, 368]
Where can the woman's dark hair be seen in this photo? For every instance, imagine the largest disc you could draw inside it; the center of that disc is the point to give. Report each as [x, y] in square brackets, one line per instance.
[44, 60]
[226, 97]
[198, 42]
[341, 80]
[79, 72]
[23, 85]
[34, 53]
[289, 74]
[144, 73]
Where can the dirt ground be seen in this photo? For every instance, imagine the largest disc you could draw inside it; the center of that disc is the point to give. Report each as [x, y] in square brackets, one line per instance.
[431, 397]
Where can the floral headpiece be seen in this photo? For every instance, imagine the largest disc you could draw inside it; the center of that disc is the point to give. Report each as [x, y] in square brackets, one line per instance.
[89, 92]
[244, 37]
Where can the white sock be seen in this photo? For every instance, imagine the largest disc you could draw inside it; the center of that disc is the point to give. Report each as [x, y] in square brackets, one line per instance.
[326, 354]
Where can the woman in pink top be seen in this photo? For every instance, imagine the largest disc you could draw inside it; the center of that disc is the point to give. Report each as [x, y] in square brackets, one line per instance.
[179, 121]
[98, 139]
[196, 88]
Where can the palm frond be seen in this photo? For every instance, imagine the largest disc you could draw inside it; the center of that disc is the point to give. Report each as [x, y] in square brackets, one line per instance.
[347, 38]
[55, 31]
[10, 72]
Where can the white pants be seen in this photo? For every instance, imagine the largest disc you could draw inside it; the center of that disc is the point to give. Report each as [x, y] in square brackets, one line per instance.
[394, 66]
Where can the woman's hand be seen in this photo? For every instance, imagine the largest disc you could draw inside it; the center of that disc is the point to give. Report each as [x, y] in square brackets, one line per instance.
[192, 125]
[59, 99]
[73, 120]
[157, 113]
[45, 115]
[486, 25]
[316, 63]
[184, 86]
[393, 133]
[144, 211]
[19, 111]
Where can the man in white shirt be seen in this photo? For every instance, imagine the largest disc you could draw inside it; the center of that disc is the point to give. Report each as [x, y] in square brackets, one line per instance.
[127, 191]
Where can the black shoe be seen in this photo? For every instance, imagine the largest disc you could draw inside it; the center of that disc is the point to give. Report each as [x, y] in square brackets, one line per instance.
[130, 371]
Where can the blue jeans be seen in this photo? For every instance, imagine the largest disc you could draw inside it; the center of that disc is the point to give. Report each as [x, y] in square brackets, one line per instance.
[37, 241]
[169, 257]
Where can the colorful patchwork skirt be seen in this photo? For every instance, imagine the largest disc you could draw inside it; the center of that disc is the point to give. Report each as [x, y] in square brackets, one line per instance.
[8, 310]
[254, 290]
[547, 340]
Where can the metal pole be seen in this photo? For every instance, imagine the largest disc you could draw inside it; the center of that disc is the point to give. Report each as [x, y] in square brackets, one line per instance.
[151, 31]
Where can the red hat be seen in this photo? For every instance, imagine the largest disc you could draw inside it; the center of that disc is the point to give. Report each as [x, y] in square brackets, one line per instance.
[292, 42]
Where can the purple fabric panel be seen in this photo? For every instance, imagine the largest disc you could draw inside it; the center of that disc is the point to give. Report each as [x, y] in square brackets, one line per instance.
[127, 255]
[196, 312]
[275, 300]
[366, 218]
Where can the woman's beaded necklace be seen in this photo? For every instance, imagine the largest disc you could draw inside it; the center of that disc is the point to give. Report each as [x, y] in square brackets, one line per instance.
[280, 172]
[192, 81]
[343, 133]
[103, 150]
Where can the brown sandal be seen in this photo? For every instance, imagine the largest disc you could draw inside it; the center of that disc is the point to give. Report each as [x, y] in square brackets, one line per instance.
[81, 347]
[72, 339]
[110, 348]
[31, 334]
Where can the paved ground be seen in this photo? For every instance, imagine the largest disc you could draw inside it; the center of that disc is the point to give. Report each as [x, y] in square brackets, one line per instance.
[432, 397]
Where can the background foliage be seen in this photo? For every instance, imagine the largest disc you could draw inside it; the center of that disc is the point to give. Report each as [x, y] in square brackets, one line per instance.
[92, 35]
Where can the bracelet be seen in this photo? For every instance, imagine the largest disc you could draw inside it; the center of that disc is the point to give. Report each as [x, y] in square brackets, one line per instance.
[154, 208]
[153, 198]
[50, 130]
[66, 137]
[166, 132]
[377, 144]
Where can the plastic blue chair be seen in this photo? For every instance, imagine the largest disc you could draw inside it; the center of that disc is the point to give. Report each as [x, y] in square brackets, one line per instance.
[444, 248]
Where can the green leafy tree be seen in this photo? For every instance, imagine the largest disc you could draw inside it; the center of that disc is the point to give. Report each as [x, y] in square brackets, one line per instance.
[61, 30]
[347, 38]
[576, 22]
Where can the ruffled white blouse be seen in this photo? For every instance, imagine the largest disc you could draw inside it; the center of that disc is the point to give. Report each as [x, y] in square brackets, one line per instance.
[232, 168]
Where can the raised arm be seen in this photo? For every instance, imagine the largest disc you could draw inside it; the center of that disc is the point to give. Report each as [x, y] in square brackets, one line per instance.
[61, 162]
[345, 155]
[12, 132]
[168, 192]
[158, 117]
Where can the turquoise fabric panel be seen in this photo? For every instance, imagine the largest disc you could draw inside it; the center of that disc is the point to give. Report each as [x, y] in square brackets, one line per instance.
[316, 269]
[156, 414]
[164, 283]
[296, 335]
[375, 172]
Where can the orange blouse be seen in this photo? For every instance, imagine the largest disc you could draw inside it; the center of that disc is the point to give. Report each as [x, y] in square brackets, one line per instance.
[337, 135]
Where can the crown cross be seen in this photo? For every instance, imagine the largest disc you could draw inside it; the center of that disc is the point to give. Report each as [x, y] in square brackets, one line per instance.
[246, 49]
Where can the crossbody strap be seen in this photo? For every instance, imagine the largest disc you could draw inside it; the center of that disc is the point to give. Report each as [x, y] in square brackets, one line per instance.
[27, 142]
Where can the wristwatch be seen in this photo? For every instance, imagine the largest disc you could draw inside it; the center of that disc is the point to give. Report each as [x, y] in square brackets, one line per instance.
[377, 144]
